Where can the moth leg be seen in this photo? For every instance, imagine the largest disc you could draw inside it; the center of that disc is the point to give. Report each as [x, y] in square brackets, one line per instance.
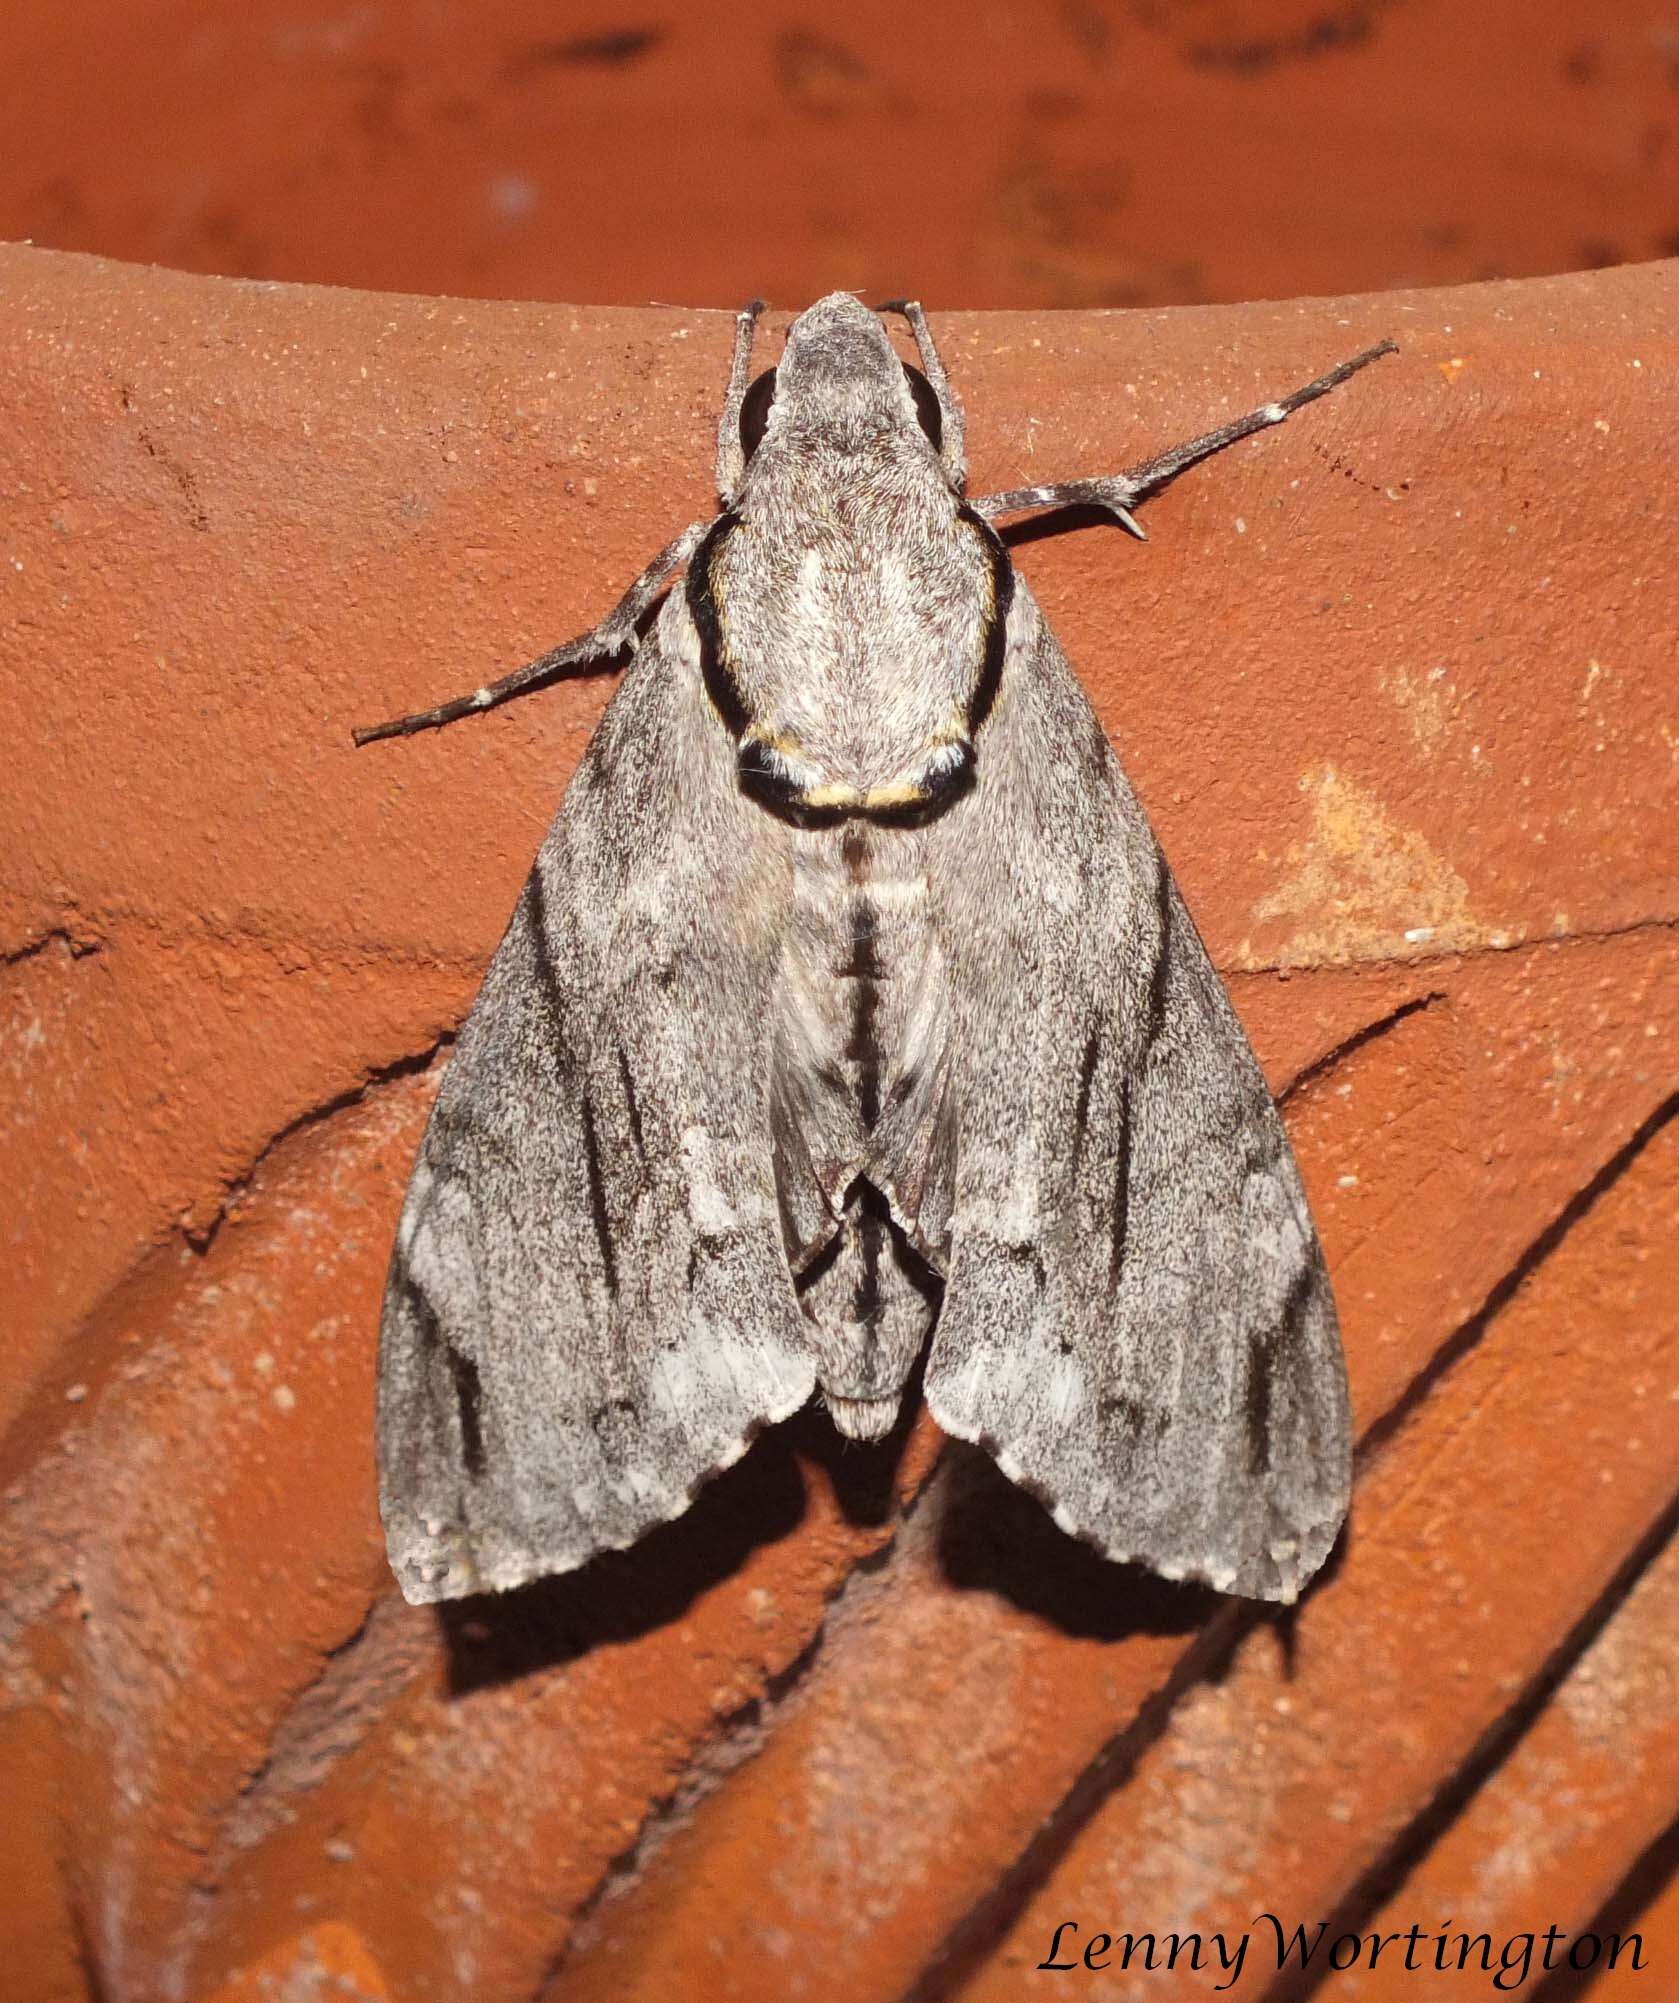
[614, 633]
[1120, 492]
[731, 453]
[953, 440]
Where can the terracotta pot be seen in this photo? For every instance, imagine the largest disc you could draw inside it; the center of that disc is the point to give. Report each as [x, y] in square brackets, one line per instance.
[1392, 682]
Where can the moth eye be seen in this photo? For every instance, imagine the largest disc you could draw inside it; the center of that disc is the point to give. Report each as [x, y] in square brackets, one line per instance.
[926, 406]
[755, 412]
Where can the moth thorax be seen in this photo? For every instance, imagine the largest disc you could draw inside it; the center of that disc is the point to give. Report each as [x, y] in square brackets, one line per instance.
[863, 1418]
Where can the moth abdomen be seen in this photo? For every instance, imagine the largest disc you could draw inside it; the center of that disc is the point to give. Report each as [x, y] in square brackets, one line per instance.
[859, 1004]
[863, 1419]
[872, 1303]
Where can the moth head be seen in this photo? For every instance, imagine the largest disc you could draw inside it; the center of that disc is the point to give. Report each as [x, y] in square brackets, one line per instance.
[839, 378]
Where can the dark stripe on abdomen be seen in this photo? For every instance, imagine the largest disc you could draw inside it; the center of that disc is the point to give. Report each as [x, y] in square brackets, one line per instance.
[864, 969]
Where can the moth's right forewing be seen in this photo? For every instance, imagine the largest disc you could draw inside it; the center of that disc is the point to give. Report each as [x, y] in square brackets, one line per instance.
[589, 1309]
[1137, 1322]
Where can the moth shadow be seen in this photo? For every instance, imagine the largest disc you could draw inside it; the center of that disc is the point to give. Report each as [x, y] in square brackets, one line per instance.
[993, 1537]
[863, 1474]
[496, 1638]
[1057, 522]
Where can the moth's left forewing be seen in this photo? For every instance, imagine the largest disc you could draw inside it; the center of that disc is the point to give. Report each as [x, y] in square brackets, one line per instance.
[1137, 1321]
[589, 1310]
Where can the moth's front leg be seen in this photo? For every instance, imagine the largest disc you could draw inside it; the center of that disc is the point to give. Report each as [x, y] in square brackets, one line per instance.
[1119, 493]
[731, 448]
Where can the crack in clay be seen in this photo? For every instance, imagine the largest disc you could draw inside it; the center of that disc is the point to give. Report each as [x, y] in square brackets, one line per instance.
[202, 1237]
[80, 946]
[170, 931]
[1651, 1873]
[1384, 1878]
[739, 1736]
[1320, 1067]
[350, 1691]
[1489, 946]
[341, 951]
[973, 1939]
[1347, 26]
[333, 1711]
[39, 1429]
[1467, 1335]
[88, 1962]
[185, 483]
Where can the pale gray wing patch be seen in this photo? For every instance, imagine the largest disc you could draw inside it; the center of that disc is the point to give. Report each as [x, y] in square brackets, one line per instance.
[1137, 1322]
[589, 1309]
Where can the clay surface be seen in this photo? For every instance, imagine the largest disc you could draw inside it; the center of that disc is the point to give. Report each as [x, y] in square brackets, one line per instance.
[1396, 683]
